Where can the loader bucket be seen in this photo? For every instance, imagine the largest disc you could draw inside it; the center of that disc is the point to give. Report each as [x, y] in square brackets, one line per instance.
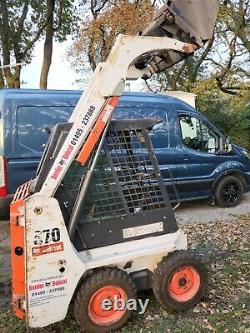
[189, 21]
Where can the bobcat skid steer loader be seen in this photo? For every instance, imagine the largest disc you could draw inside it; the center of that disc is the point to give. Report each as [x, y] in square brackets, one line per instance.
[96, 224]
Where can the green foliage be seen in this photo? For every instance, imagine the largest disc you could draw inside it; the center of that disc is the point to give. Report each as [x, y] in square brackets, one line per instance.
[65, 19]
[23, 23]
[230, 114]
[35, 22]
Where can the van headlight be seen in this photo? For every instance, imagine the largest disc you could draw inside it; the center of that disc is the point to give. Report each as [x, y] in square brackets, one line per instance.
[246, 153]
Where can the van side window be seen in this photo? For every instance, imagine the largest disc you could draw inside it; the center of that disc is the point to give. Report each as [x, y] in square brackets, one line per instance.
[160, 135]
[35, 122]
[197, 135]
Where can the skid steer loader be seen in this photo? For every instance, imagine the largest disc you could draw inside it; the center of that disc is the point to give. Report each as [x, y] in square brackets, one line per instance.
[96, 223]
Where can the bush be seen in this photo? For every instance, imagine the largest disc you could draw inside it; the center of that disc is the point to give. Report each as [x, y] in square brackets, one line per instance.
[230, 114]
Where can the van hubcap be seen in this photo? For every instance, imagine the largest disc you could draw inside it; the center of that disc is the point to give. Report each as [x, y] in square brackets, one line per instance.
[231, 192]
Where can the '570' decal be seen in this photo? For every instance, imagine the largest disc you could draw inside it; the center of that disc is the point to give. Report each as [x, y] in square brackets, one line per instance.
[47, 236]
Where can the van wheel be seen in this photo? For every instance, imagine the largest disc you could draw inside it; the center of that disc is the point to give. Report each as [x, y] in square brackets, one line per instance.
[89, 308]
[180, 280]
[229, 192]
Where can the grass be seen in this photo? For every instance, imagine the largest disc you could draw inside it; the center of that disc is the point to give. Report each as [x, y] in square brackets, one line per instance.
[225, 248]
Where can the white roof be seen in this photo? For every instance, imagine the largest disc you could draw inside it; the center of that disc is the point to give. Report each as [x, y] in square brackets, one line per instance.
[182, 95]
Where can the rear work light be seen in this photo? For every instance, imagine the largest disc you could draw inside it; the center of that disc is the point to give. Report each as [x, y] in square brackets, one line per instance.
[3, 177]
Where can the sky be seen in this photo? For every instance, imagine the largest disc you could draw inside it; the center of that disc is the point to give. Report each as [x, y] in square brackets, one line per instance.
[61, 75]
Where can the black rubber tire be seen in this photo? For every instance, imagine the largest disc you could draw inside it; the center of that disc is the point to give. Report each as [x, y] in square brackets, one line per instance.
[97, 280]
[163, 275]
[230, 182]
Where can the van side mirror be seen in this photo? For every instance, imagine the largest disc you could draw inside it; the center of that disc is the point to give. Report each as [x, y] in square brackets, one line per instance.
[212, 145]
[228, 144]
[225, 144]
[47, 130]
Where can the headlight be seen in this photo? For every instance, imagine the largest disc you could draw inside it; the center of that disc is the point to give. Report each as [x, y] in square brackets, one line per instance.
[246, 153]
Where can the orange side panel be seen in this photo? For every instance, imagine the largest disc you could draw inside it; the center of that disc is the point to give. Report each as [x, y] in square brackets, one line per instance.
[97, 131]
[17, 259]
[91, 140]
[113, 101]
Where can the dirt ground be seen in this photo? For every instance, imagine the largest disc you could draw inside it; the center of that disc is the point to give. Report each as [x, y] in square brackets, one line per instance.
[4, 264]
[220, 235]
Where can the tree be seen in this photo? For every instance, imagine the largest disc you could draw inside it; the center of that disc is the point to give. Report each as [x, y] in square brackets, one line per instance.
[2, 83]
[60, 18]
[224, 59]
[22, 24]
[219, 73]
[103, 21]
[48, 44]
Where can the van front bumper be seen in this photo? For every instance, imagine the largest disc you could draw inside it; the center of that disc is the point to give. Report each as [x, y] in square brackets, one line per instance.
[5, 206]
[248, 182]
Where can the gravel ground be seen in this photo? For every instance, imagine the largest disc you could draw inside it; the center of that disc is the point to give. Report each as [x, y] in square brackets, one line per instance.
[202, 212]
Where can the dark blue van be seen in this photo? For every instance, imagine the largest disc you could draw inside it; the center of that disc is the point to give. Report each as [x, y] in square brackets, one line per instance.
[188, 147]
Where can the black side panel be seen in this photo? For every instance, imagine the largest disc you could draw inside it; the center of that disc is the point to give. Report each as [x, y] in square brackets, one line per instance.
[117, 230]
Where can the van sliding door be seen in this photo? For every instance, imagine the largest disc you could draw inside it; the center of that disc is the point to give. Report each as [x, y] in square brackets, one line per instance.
[163, 141]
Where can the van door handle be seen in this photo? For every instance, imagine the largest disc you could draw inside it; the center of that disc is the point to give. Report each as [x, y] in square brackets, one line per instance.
[185, 157]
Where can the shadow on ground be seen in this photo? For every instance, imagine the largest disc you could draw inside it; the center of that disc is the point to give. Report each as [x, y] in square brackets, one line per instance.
[5, 272]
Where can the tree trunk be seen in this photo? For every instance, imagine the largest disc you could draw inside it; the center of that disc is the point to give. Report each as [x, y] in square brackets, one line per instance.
[48, 45]
[245, 39]
[2, 85]
[5, 41]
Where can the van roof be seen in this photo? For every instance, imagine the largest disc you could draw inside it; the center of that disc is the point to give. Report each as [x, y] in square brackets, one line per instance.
[127, 96]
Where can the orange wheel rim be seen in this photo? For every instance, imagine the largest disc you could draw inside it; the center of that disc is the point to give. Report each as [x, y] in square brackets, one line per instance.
[96, 309]
[184, 284]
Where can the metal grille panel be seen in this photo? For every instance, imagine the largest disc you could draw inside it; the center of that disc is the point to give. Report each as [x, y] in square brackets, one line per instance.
[125, 180]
